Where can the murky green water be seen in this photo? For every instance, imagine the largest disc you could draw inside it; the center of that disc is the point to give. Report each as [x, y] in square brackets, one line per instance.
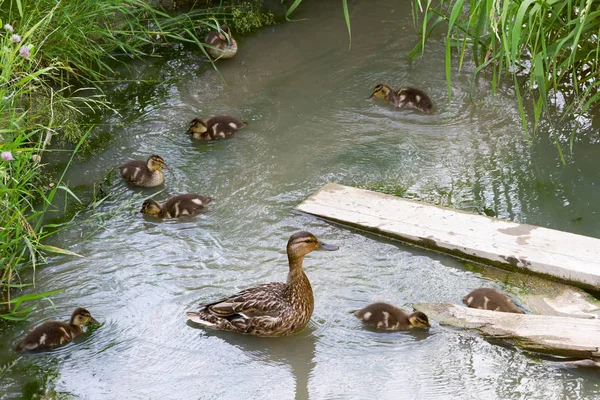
[304, 94]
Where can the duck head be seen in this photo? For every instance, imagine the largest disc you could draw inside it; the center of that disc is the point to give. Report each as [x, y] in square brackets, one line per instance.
[156, 163]
[81, 316]
[302, 243]
[382, 91]
[151, 207]
[197, 128]
[419, 320]
[224, 33]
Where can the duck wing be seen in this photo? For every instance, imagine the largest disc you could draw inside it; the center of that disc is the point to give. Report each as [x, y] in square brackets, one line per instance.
[263, 300]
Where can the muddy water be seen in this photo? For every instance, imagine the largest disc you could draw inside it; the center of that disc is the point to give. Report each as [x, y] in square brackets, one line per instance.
[303, 93]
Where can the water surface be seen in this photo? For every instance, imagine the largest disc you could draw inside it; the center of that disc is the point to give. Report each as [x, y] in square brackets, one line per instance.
[303, 93]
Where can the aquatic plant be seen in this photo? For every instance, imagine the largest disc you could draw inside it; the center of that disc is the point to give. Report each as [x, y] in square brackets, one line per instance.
[548, 48]
[52, 52]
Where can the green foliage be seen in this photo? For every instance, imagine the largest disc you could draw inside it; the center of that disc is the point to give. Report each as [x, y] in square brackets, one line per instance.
[553, 45]
[59, 44]
[247, 16]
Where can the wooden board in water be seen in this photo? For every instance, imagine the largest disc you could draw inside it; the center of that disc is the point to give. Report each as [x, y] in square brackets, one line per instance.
[562, 336]
[562, 256]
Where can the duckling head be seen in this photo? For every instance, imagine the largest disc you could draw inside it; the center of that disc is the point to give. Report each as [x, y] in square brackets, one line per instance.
[302, 243]
[224, 32]
[150, 207]
[197, 128]
[419, 320]
[382, 91]
[81, 316]
[155, 163]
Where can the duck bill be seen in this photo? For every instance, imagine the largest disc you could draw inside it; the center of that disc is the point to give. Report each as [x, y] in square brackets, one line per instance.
[93, 321]
[165, 166]
[371, 96]
[327, 247]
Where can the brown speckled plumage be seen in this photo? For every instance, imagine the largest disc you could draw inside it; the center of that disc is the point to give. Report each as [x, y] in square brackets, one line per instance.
[178, 206]
[407, 97]
[144, 173]
[270, 309]
[490, 299]
[214, 128]
[52, 334]
[387, 317]
[220, 45]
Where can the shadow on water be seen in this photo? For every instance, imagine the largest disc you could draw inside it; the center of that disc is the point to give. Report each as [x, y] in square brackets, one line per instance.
[296, 351]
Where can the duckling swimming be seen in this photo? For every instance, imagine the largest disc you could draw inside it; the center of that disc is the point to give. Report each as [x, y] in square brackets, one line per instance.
[490, 299]
[144, 173]
[214, 128]
[223, 44]
[177, 206]
[387, 317]
[404, 97]
[270, 309]
[55, 333]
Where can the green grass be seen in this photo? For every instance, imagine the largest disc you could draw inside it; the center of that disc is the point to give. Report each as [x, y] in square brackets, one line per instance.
[71, 48]
[542, 47]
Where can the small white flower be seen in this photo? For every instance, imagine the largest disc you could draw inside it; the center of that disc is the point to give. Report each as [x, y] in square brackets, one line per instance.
[15, 38]
[7, 156]
[24, 52]
[9, 28]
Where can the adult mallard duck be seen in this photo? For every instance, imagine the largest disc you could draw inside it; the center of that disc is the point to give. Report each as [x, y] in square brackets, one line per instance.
[177, 206]
[404, 97]
[387, 317]
[490, 299]
[220, 43]
[144, 173]
[214, 128]
[56, 333]
[270, 309]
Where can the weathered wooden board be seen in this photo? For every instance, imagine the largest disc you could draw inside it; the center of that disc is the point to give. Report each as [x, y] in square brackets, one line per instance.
[560, 255]
[541, 296]
[562, 336]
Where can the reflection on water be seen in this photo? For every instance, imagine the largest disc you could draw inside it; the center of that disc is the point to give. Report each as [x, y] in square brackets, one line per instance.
[304, 95]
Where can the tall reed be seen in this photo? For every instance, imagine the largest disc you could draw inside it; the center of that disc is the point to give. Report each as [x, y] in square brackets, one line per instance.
[553, 46]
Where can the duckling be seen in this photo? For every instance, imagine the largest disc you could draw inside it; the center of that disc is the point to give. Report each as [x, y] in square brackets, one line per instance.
[177, 206]
[490, 299]
[222, 43]
[387, 317]
[214, 128]
[56, 333]
[144, 173]
[270, 309]
[404, 97]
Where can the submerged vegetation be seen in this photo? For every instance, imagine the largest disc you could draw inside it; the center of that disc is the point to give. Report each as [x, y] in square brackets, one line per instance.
[550, 48]
[51, 51]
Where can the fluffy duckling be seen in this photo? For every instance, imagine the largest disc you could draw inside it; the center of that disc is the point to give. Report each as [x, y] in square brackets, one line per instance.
[214, 128]
[144, 173]
[222, 44]
[56, 333]
[490, 299]
[177, 206]
[404, 97]
[387, 317]
[270, 309]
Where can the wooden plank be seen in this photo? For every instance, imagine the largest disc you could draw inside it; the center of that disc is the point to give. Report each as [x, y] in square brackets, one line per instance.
[559, 255]
[562, 336]
[541, 296]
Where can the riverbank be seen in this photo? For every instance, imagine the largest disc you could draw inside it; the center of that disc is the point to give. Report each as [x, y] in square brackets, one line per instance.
[52, 53]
